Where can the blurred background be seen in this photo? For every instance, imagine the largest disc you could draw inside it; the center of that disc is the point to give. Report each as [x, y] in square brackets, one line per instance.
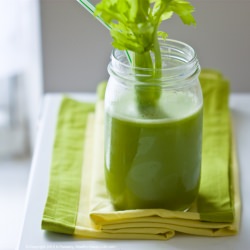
[57, 46]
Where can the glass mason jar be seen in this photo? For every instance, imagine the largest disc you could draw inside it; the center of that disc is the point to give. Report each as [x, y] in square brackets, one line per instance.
[153, 131]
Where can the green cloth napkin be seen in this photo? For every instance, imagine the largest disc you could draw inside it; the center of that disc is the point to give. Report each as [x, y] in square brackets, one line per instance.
[78, 202]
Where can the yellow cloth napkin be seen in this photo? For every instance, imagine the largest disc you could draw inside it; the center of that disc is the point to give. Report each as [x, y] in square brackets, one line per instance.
[78, 202]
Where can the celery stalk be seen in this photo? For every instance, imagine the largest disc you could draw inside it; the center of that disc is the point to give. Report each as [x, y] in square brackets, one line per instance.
[134, 26]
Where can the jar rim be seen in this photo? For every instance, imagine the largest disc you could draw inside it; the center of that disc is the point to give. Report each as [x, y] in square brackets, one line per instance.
[179, 61]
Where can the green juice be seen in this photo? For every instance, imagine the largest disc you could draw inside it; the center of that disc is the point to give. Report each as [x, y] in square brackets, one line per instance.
[153, 163]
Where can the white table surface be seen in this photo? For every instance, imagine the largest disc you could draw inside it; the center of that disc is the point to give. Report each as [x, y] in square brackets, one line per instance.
[32, 237]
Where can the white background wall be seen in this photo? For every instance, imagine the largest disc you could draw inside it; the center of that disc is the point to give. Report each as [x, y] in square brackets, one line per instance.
[76, 47]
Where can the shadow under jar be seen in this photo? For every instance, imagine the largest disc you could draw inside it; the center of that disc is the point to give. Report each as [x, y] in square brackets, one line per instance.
[153, 131]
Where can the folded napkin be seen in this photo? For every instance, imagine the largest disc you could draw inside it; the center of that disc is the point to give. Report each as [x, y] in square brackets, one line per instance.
[78, 202]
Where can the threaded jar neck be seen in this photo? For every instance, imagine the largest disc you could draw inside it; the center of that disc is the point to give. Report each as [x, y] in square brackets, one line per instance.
[179, 62]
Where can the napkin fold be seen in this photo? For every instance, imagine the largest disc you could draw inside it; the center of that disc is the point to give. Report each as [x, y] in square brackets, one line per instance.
[78, 203]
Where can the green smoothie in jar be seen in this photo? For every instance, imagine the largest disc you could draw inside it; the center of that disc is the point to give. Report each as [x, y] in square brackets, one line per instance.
[154, 163]
[153, 107]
